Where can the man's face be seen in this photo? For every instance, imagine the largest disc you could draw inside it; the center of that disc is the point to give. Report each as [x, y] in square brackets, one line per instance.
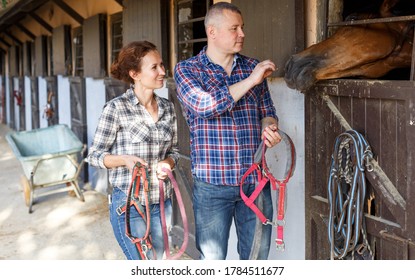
[229, 32]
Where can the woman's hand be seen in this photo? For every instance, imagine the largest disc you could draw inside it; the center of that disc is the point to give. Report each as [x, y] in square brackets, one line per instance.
[167, 164]
[130, 161]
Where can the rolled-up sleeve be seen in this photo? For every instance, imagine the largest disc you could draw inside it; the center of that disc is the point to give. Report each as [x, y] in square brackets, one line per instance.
[104, 137]
[266, 106]
[200, 99]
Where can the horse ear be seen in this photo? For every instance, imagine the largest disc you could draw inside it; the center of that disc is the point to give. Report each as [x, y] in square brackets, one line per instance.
[386, 7]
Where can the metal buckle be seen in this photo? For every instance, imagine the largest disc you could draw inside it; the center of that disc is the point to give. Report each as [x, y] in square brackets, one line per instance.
[275, 224]
[268, 222]
[280, 222]
[280, 246]
[144, 250]
[119, 211]
[265, 172]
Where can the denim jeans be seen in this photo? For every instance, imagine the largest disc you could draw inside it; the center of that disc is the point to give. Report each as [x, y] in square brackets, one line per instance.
[138, 226]
[215, 207]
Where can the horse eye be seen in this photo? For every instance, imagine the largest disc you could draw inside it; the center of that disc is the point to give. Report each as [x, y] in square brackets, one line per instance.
[352, 17]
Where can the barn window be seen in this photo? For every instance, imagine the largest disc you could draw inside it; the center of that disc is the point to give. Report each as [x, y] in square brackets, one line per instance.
[49, 56]
[191, 35]
[78, 52]
[28, 55]
[116, 35]
[19, 60]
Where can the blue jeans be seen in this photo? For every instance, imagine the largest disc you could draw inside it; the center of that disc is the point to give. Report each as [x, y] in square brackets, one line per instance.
[215, 207]
[138, 226]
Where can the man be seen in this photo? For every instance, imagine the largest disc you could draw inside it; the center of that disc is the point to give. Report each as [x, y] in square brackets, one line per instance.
[228, 108]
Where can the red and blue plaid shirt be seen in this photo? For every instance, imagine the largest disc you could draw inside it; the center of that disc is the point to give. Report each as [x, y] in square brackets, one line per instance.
[224, 134]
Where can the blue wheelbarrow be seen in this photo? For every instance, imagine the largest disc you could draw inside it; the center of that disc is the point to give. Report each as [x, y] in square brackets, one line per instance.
[49, 158]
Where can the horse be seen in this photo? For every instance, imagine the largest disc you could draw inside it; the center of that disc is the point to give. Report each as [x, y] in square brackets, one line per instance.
[365, 51]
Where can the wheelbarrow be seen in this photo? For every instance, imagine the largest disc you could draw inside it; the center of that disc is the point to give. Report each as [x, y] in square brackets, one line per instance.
[49, 158]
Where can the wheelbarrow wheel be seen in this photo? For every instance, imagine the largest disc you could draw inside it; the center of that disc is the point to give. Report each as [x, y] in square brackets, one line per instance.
[27, 191]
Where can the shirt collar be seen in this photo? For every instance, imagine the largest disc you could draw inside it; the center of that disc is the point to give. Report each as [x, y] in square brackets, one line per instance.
[206, 60]
[133, 98]
[131, 95]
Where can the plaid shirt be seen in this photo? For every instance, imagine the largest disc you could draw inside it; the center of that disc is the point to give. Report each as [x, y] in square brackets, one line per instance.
[126, 128]
[224, 134]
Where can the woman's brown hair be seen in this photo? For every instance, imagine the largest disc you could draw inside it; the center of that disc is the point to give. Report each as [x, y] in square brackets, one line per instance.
[130, 58]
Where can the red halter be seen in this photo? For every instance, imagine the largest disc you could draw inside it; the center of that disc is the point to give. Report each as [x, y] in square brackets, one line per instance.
[264, 176]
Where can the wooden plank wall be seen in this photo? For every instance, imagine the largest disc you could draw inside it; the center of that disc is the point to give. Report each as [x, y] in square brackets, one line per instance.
[273, 29]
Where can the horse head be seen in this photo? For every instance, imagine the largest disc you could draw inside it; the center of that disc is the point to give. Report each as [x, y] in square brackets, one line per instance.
[369, 50]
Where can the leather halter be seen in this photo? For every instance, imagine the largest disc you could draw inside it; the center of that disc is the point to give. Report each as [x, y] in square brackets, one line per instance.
[144, 244]
[264, 176]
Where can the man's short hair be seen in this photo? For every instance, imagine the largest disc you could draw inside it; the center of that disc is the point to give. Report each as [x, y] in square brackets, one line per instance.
[217, 10]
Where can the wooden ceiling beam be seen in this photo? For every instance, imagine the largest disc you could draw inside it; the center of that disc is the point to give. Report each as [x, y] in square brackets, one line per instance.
[71, 12]
[5, 42]
[41, 21]
[25, 30]
[11, 36]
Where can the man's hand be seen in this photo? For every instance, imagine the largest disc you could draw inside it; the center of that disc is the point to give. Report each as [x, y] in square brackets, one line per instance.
[271, 136]
[263, 70]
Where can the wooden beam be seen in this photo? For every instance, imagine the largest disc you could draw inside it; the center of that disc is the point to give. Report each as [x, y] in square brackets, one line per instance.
[41, 21]
[3, 48]
[5, 42]
[412, 78]
[11, 36]
[120, 3]
[25, 30]
[71, 12]
[373, 20]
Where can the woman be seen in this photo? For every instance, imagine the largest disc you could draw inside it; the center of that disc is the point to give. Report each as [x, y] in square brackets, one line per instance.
[137, 127]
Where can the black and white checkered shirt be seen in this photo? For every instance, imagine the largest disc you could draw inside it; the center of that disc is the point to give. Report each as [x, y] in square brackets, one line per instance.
[126, 128]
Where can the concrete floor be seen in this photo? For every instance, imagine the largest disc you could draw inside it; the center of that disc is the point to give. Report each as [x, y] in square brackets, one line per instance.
[61, 227]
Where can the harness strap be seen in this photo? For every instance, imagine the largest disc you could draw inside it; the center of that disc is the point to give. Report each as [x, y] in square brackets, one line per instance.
[250, 201]
[280, 221]
[163, 217]
[143, 244]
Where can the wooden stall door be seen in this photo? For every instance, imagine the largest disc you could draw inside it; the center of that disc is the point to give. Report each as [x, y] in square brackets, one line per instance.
[114, 88]
[78, 114]
[383, 112]
[21, 104]
[52, 101]
[35, 102]
[11, 104]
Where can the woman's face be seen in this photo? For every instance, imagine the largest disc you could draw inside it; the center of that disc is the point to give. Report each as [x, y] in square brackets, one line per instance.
[152, 71]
